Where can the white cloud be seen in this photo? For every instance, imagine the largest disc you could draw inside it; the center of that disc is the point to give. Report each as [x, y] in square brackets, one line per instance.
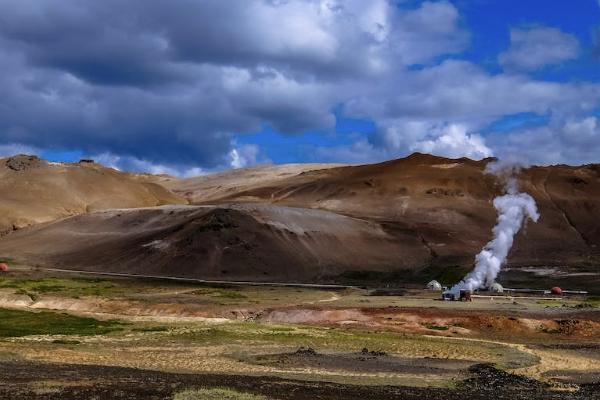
[7, 150]
[164, 93]
[453, 141]
[157, 82]
[427, 32]
[361, 151]
[133, 164]
[403, 137]
[437, 109]
[537, 47]
[460, 91]
[570, 141]
[246, 156]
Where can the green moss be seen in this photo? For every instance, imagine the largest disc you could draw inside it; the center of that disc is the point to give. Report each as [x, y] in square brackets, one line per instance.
[551, 303]
[15, 323]
[66, 287]
[593, 300]
[216, 394]
[348, 339]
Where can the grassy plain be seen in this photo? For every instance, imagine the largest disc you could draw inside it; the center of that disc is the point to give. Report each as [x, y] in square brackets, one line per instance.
[412, 340]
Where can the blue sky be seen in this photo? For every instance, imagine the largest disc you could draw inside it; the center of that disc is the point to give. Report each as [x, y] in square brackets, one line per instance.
[489, 23]
[198, 86]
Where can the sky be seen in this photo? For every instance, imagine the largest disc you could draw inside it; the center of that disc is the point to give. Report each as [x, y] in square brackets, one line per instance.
[196, 86]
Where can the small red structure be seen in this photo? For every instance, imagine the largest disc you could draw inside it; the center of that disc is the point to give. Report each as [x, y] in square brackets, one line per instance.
[3, 267]
[556, 290]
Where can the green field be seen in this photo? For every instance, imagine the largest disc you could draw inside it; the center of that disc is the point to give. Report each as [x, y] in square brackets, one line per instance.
[216, 394]
[15, 323]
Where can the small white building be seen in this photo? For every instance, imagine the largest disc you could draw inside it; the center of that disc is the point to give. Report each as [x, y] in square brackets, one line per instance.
[434, 285]
[496, 288]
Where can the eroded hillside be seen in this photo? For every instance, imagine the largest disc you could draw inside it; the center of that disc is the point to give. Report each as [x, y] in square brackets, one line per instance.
[447, 203]
[245, 242]
[400, 221]
[34, 191]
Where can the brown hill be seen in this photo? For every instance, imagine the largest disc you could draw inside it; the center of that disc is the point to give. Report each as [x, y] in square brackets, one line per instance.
[34, 191]
[426, 216]
[448, 204]
[207, 188]
[244, 242]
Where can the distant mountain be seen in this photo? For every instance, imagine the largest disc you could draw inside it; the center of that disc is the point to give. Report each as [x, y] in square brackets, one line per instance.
[34, 191]
[447, 205]
[395, 222]
[217, 186]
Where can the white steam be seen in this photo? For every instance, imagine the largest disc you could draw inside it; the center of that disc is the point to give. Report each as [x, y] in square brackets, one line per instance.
[513, 207]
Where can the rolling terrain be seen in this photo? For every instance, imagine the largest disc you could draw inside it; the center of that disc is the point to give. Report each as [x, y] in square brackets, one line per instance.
[34, 191]
[72, 335]
[218, 186]
[252, 242]
[449, 204]
[92, 306]
[396, 222]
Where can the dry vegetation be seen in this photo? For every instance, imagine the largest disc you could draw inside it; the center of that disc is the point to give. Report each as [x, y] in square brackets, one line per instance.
[418, 342]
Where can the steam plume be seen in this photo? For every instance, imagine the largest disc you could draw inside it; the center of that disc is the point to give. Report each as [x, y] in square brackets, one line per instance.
[513, 207]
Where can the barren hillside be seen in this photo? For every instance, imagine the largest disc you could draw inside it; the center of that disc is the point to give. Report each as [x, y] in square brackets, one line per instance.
[245, 242]
[33, 191]
[207, 188]
[448, 204]
[398, 221]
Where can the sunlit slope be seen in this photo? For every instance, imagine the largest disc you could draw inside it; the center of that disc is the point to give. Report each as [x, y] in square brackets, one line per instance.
[33, 191]
[448, 204]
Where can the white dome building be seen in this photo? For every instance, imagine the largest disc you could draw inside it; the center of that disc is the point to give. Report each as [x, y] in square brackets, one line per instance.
[496, 288]
[434, 285]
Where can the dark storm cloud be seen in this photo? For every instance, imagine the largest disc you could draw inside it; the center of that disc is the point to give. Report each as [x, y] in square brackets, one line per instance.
[97, 43]
[164, 81]
[170, 82]
[141, 42]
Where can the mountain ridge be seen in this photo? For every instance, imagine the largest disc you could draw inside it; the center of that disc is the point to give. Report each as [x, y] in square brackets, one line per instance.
[436, 214]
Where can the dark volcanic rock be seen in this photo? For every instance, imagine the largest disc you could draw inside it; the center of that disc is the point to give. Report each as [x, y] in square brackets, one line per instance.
[18, 379]
[22, 162]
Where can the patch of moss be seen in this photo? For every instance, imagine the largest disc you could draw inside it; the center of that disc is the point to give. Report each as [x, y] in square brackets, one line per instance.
[348, 339]
[14, 323]
[437, 327]
[75, 287]
[550, 303]
[593, 300]
[216, 394]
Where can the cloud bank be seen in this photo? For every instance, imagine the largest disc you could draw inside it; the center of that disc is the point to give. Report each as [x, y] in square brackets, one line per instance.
[168, 86]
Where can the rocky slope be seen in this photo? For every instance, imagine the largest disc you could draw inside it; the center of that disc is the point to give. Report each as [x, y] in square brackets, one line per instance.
[448, 204]
[246, 242]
